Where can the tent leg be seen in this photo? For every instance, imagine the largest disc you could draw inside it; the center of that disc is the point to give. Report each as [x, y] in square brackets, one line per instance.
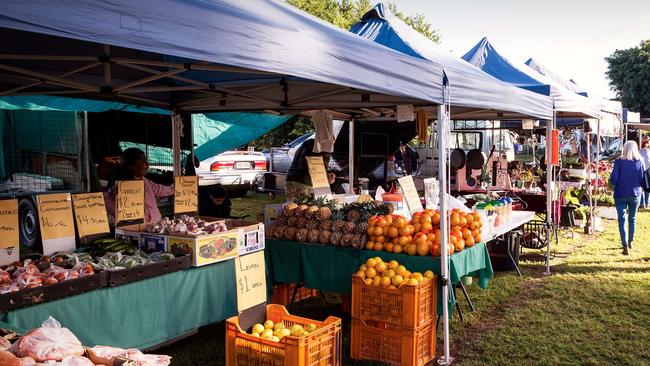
[176, 142]
[444, 255]
[351, 157]
[549, 189]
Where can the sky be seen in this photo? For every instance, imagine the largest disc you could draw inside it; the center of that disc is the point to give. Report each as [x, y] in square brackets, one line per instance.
[570, 37]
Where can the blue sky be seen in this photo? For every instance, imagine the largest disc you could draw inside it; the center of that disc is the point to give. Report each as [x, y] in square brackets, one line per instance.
[570, 37]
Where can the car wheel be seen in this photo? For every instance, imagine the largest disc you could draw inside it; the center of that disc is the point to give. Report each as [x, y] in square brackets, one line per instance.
[30, 232]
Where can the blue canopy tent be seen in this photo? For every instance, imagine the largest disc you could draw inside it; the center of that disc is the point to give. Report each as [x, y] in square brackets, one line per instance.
[470, 87]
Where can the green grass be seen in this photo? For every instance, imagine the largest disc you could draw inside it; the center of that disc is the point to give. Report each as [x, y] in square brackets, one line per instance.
[593, 310]
[253, 204]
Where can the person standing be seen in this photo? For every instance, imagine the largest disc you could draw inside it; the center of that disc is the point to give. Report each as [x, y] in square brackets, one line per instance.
[645, 154]
[406, 158]
[627, 178]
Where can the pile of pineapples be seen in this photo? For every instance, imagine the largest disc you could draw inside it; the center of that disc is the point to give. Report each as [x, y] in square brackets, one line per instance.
[322, 221]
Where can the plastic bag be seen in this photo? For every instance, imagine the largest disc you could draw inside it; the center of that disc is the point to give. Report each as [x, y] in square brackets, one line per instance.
[132, 354]
[49, 342]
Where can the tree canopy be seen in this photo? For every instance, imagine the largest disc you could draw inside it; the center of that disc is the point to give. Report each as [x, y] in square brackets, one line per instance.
[343, 14]
[629, 76]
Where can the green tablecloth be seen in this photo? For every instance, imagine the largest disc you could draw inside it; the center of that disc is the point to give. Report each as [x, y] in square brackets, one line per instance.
[141, 314]
[330, 268]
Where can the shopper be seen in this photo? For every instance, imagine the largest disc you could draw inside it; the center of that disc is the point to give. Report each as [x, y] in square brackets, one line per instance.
[214, 202]
[645, 154]
[298, 181]
[627, 177]
[135, 167]
[407, 159]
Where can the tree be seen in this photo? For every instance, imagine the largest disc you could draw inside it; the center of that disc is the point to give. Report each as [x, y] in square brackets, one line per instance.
[343, 14]
[629, 76]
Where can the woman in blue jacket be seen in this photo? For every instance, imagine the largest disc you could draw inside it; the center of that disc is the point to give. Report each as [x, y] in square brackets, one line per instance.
[627, 177]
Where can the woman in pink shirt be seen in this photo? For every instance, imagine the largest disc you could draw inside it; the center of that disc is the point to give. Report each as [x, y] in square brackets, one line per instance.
[135, 167]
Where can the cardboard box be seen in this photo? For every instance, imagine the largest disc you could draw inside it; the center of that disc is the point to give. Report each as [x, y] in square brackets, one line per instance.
[272, 212]
[253, 238]
[153, 243]
[130, 233]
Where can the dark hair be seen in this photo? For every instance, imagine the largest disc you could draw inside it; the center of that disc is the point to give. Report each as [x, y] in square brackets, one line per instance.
[129, 157]
[218, 192]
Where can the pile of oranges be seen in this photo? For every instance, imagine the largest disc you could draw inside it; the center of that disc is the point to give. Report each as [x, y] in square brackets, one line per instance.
[376, 272]
[421, 235]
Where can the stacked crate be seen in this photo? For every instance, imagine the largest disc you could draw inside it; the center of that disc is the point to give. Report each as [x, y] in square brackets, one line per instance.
[395, 326]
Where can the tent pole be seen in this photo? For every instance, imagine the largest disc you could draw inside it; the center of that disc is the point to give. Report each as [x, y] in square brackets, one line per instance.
[593, 218]
[351, 156]
[176, 142]
[549, 189]
[444, 252]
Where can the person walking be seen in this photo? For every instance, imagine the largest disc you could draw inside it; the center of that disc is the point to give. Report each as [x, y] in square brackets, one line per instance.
[645, 154]
[627, 178]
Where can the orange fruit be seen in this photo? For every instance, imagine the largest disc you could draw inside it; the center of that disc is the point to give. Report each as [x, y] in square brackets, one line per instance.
[436, 218]
[425, 219]
[399, 222]
[431, 237]
[456, 230]
[429, 212]
[392, 232]
[412, 249]
[474, 225]
[422, 249]
[469, 218]
[454, 219]
[420, 238]
[381, 222]
[416, 217]
[395, 240]
[476, 232]
[477, 217]
[467, 233]
[380, 239]
[403, 240]
[469, 242]
[378, 231]
[370, 244]
[460, 244]
[462, 221]
[416, 227]
[397, 249]
[426, 227]
[389, 220]
[378, 247]
[389, 247]
[478, 239]
[435, 250]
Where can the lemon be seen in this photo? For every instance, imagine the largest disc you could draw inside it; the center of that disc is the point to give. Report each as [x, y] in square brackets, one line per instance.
[407, 274]
[400, 270]
[267, 333]
[371, 262]
[397, 280]
[413, 281]
[376, 281]
[385, 281]
[361, 274]
[268, 324]
[418, 277]
[390, 273]
[278, 326]
[296, 330]
[311, 327]
[368, 281]
[258, 328]
[274, 339]
[428, 274]
[393, 264]
[371, 273]
[380, 267]
[256, 335]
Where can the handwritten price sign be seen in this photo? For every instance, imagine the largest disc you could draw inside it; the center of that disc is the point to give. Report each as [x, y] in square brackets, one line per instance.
[186, 193]
[8, 224]
[90, 214]
[250, 271]
[129, 202]
[55, 216]
[410, 193]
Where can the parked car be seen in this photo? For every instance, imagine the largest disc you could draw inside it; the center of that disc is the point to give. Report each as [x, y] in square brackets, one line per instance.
[283, 156]
[237, 170]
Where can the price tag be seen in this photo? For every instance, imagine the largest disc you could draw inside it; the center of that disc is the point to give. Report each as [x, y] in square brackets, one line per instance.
[250, 271]
[410, 194]
[186, 194]
[129, 202]
[319, 182]
[56, 222]
[90, 214]
[9, 240]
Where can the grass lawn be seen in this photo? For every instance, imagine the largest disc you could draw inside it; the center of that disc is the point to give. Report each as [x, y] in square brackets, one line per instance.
[593, 310]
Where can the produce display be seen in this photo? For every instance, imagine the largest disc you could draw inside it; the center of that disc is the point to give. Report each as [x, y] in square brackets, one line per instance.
[421, 235]
[110, 245]
[186, 225]
[113, 261]
[376, 272]
[276, 331]
[52, 344]
[320, 221]
[36, 273]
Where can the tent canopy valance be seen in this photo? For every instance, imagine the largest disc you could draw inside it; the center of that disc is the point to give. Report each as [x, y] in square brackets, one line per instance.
[470, 87]
[196, 56]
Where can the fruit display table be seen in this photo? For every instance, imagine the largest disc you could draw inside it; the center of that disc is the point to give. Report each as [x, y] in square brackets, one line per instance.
[141, 314]
[330, 268]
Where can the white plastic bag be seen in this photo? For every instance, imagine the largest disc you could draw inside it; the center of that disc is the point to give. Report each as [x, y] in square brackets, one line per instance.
[49, 342]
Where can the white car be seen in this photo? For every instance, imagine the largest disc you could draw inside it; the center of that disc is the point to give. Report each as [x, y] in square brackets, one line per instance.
[231, 168]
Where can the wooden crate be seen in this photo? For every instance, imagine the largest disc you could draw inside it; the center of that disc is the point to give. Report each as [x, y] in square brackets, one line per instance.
[399, 347]
[407, 307]
[321, 347]
[282, 293]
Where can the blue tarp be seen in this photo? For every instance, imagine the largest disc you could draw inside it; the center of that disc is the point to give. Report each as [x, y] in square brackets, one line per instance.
[470, 87]
[486, 58]
[215, 133]
[45, 103]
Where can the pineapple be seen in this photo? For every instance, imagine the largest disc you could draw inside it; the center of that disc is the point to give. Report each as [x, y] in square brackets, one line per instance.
[361, 228]
[312, 224]
[349, 227]
[326, 225]
[300, 211]
[290, 233]
[311, 212]
[337, 226]
[290, 208]
[301, 222]
[312, 236]
[291, 221]
[346, 240]
[283, 220]
[324, 237]
[353, 215]
[301, 235]
[279, 231]
[357, 241]
[335, 238]
[324, 213]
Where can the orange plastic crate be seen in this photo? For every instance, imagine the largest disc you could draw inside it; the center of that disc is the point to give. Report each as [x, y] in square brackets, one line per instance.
[319, 348]
[282, 293]
[407, 307]
[402, 347]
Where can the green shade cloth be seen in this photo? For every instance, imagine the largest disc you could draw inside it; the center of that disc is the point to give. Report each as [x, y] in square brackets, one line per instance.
[141, 314]
[329, 268]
